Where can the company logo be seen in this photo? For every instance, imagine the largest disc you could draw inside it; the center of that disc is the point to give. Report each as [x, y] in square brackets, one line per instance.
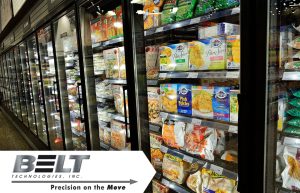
[48, 163]
[221, 94]
[183, 91]
[180, 48]
[216, 43]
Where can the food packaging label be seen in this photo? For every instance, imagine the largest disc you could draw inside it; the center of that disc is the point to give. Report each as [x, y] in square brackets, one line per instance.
[111, 29]
[111, 58]
[186, 9]
[96, 30]
[225, 4]
[168, 15]
[295, 43]
[122, 63]
[152, 18]
[156, 154]
[291, 173]
[152, 61]
[218, 30]
[202, 101]
[154, 105]
[173, 134]
[234, 107]
[168, 93]
[118, 98]
[204, 7]
[118, 135]
[184, 99]
[159, 188]
[295, 65]
[119, 19]
[233, 52]
[174, 57]
[221, 103]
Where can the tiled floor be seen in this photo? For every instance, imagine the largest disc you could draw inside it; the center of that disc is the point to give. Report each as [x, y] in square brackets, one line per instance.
[10, 138]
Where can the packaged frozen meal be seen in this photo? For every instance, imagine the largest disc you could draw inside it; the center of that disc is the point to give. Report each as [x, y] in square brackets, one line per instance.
[122, 63]
[168, 95]
[291, 173]
[295, 43]
[295, 112]
[168, 14]
[201, 141]
[218, 30]
[174, 57]
[118, 98]
[107, 135]
[292, 130]
[111, 59]
[152, 61]
[154, 105]
[99, 63]
[175, 169]
[295, 65]
[294, 122]
[152, 18]
[96, 30]
[225, 4]
[208, 54]
[282, 104]
[215, 183]
[204, 7]
[156, 155]
[184, 99]
[186, 9]
[202, 101]
[173, 133]
[234, 106]
[233, 52]
[119, 20]
[221, 103]
[295, 102]
[118, 135]
[111, 29]
[158, 187]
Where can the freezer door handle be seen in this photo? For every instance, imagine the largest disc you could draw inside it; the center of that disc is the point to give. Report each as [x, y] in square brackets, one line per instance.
[79, 102]
[55, 97]
[125, 88]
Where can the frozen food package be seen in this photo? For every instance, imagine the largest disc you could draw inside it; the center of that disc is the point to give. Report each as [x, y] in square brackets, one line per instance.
[107, 135]
[154, 105]
[152, 18]
[168, 95]
[296, 55]
[101, 133]
[233, 52]
[173, 133]
[230, 156]
[118, 98]
[99, 63]
[122, 63]
[295, 43]
[156, 154]
[282, 115]
[152, 61]
[294, 65]
[208, 54]
[175, 169]
[214, 183]
[184, 99]
[295, 92]
[294, 122]
[234, 106]
[295, 102]
[218, 29]
[118, 135]
[201, 141]
[111, 29]
[294, 112]
[111, 59]
[96, 30]
[221, 103]
[221, 142]
[292, 131]
[291, 173]
[204, 7]
[103, 28]
[158, 187]
[186, 9]
[225, 4]
[174, 57]
[202, 101]
[168, 14]
[194, 182]
[119, 21]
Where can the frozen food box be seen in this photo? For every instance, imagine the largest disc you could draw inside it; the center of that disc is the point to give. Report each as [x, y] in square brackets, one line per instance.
[156, 155]
[99, 63]
[202, 105]
[208, 54]
[204, 7]
[234, 106]
[186, 9]
[174, 57]
[152, 61]
[157, 187]
[111, 29]
[152, 18]
[118, 98]
[233, 52]
[168, 97]
[103, 29]
[168, 14]
[107, 135]
[119, 23]
[111, 59]
[154, 105]
[173, 133]
[118, 135]
[221, 103]
[96, 30]
[184, 99]
[218, 30]
[122, 63]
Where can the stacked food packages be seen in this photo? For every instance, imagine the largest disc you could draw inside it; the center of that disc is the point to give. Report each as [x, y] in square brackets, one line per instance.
[107, 27]
[162, 12]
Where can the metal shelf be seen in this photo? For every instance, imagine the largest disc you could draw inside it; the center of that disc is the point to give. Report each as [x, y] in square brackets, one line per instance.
[154, 128]
[115, 81]
[174, 186]
[234, 74]
[229, 127]
[190, 159]
[118, 117]
[152, 82]
[194, 21]
[102, 45]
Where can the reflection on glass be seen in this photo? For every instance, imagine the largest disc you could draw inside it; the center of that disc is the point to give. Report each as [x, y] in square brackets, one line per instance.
[69, 81]
[37, 89]
[50, 88]
[28, 88]
[11, 83]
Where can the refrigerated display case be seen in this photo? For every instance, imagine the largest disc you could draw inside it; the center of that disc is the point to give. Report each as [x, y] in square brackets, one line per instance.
[51, 96]
[11, 83]
[70, 81]
[37, 92]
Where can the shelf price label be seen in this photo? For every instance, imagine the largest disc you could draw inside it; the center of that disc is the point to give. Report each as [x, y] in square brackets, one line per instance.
[163, 149]
[192, 75]
[217, 169]
[163, 75]
[233, 129]
[195, 20]
[163, 115]
[160, 29]
[196, 121]
[188, 159]
[233, 74]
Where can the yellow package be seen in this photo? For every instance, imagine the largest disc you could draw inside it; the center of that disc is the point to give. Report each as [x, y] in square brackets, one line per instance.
[151, 17]
[202, 105]
[122, 63]
[174, 57]
[168, 96]
[233, 52]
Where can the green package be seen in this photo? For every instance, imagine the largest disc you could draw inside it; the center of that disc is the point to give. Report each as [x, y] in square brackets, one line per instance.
[168, 14]
[225, 4]
[186, 9]
[294, 122]
[292, 130]
[294, 112]
[295, 92]
[204, 7]
[295, 102]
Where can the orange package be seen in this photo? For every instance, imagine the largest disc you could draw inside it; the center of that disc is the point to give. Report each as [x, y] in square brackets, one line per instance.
[173, 133]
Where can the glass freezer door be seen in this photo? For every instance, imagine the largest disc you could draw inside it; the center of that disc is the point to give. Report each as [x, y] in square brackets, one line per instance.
[45, 45]
[69, 75]
[36, 82]
[12, 80]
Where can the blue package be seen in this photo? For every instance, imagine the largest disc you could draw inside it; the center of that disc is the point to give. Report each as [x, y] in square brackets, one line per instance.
[184, 99]
[221, 103]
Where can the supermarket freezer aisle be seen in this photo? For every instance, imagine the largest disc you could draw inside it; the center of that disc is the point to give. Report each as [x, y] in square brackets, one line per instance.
[10, 138]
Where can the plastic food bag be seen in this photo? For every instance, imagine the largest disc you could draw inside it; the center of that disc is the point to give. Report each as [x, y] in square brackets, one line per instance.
[295, 102]
[159, 188]
[230, 156]
[294, 112]
[294, 122]
[295, 43]
[295, 65]
[194, 182]
[156, 154]
[168, 14]
[292, 130]
[291, 173]
[173, 134]
[295, 92]
[186, 9]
